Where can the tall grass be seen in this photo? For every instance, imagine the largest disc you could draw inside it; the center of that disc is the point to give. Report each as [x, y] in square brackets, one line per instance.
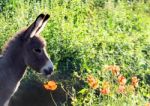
[83, 36]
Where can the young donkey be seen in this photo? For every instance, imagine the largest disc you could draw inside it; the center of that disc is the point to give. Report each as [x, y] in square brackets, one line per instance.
[26, 49]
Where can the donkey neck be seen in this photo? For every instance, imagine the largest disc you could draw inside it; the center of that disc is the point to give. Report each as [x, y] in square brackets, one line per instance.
[13, 57]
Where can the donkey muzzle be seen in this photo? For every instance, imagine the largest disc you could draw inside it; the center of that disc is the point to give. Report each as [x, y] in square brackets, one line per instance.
[47, 69]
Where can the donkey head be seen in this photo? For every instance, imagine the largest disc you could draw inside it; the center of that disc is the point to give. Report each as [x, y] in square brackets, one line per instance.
[35, 54]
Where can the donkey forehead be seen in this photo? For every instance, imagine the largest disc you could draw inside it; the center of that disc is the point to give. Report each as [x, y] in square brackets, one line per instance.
[37, 42]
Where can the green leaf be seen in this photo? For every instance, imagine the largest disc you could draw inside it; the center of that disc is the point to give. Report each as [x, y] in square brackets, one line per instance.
[83, 91]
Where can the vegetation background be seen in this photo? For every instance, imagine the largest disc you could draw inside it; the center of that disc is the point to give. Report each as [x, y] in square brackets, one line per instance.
[83, 36]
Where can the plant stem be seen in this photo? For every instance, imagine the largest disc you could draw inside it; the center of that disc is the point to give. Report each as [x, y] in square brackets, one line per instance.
[53, 99]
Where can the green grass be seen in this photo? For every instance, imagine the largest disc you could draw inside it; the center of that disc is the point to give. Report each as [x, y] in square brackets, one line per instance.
[83, 36]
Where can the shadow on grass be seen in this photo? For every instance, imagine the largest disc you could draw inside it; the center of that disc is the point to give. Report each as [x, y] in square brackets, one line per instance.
[32, 93]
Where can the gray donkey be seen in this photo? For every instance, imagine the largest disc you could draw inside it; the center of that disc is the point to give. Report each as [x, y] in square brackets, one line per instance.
[26, 49]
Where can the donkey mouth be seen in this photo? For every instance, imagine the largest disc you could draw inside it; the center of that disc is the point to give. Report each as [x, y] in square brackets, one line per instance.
[48, 71]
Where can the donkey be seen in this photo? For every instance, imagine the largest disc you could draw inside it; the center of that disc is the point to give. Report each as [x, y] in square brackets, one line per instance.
[27, 48]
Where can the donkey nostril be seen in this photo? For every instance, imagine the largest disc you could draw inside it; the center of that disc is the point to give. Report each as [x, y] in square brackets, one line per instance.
[48, 72]
[51, 70]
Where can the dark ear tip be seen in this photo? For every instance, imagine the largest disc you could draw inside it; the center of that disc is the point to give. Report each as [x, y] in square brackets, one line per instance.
[41, 15]
[47, 16]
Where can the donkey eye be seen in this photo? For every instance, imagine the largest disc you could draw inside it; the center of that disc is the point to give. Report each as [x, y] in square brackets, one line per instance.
[37, 50]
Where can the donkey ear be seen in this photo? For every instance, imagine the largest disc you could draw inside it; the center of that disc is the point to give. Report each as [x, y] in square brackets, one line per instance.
[32, 29]
[43, 24]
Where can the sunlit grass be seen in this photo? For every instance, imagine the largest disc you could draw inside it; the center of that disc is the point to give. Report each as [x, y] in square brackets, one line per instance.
[97, 47]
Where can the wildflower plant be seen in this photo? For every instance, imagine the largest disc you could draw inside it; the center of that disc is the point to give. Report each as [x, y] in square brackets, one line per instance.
[117, 87]
[50, 85]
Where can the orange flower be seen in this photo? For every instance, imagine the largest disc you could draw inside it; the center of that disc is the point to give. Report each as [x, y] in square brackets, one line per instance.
[114, 69]
[50, 85]
[90, 79]
[121, 89]
[93, 83]
[135, 81]
[105, 91]
[147, 104]
[122, 80]
[105, 84]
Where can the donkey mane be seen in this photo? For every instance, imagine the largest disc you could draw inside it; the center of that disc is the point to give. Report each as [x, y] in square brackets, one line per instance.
[11, 43]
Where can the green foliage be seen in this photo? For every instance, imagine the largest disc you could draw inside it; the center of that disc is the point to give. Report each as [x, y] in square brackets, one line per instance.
[85, 35]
